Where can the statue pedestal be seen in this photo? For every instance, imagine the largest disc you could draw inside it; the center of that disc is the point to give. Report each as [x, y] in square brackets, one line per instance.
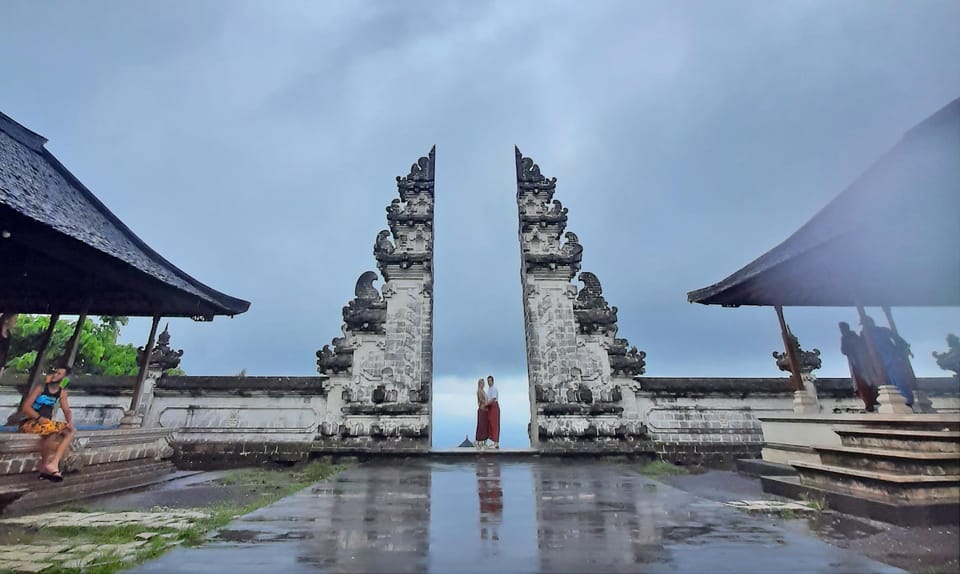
[922, 403]
[130, 420]
[803, 403]
[891, 401]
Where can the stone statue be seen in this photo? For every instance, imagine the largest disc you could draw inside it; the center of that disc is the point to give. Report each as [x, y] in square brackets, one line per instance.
[861, 367]
[625, 360]
[950, 360]
[383, 245]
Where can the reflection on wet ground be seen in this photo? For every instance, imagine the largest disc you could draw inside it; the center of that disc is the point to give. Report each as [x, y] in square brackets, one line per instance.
[486, 515]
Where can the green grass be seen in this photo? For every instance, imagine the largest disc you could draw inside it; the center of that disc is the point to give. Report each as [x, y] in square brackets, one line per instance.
[269, 486]
[661, 468]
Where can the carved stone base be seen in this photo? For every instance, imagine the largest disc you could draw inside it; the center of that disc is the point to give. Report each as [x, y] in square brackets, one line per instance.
[921, 402]
[891, 401]
[803, 403]
[131, 420]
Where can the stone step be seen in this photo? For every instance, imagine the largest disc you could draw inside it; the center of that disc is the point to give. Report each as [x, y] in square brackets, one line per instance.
[923, 440]
[857, 504]
[879, 484]
[108, 471]
[891, 461]
[77, 486]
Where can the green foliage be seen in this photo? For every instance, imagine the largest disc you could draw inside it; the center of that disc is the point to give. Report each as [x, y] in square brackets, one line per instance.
[98, 354]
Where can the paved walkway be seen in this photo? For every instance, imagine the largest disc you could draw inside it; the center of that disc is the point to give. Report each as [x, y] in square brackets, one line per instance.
[549, 515]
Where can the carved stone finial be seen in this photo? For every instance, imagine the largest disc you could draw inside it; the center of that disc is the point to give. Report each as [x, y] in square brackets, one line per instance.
[950, 360]
[809, 360]
[163, 357]
[421, 176]
[529, 177]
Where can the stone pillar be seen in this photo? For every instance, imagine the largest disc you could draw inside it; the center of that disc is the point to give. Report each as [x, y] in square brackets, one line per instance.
[383, 363]
[577, 368]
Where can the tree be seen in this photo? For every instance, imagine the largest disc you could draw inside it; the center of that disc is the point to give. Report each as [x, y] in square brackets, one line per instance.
[98, 353]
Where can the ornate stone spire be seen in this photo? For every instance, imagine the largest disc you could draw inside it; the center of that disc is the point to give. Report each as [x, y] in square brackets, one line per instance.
[163, 357]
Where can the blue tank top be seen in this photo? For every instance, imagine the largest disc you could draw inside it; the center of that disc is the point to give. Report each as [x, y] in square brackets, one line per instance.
[46, 401]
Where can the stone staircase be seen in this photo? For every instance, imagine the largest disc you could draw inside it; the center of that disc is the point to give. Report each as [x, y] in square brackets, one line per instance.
[900, 473]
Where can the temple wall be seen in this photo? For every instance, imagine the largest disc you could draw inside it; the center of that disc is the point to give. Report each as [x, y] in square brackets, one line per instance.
[714, 421]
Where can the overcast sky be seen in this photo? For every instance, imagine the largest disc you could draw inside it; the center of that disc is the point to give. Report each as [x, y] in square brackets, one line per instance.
[255, 145]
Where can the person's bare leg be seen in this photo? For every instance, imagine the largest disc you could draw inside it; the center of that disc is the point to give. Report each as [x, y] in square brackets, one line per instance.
[46, 452]
[65, 438]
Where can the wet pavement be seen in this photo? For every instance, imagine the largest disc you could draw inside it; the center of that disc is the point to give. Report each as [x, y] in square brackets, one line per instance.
[487, 515]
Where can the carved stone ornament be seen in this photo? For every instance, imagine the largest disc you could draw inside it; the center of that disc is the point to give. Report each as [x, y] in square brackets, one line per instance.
[554, 216]
[570, 255]
[809, 360]
[529, 178]
[591, 310]
[367, 313]
[421, 177]
[624, 361]
[163, 357]
[336, 360]
[950, 360]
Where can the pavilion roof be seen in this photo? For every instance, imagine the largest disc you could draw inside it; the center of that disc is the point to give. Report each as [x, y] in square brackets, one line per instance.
[63, 251]
[891, 238]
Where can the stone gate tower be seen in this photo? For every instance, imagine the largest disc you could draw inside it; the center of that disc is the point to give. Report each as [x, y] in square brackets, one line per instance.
[381, 369]
[579, 371]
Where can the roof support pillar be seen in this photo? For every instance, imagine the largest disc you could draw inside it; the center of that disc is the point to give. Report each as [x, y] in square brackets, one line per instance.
[73, 345]
[35, 370]
[134, 416]
[791, 353]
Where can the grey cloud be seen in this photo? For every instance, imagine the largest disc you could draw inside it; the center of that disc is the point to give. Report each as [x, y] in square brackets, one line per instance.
[256, 146]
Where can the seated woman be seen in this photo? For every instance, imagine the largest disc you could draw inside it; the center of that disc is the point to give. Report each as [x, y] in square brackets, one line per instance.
[55, 436]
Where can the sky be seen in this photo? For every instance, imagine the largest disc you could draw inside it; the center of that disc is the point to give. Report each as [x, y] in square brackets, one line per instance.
[255, 145]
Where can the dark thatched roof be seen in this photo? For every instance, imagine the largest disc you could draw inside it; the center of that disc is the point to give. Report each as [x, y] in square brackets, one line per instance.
[62, 250]
[891, 238]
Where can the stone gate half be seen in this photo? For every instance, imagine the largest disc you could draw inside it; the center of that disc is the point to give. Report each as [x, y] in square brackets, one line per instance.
[381, 369]
[578, 370]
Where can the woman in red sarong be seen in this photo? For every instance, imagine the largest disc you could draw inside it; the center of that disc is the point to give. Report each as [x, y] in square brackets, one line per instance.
[482, 422]
[493, 413]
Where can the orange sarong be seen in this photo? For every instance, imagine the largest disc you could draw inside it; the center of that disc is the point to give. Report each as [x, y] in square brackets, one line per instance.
[493, 421]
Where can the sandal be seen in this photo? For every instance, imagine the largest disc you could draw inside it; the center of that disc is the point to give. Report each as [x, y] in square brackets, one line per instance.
[51, 476]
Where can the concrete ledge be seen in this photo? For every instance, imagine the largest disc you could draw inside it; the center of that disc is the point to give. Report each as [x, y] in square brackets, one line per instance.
[903, 514]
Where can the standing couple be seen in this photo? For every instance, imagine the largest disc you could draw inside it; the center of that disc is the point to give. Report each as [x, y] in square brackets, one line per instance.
[488, 415]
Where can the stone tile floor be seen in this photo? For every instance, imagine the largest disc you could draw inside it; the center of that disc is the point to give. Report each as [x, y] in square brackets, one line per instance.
[64, 555]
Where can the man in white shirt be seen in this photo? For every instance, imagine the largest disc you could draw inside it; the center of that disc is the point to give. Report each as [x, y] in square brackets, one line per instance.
[493, 412]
